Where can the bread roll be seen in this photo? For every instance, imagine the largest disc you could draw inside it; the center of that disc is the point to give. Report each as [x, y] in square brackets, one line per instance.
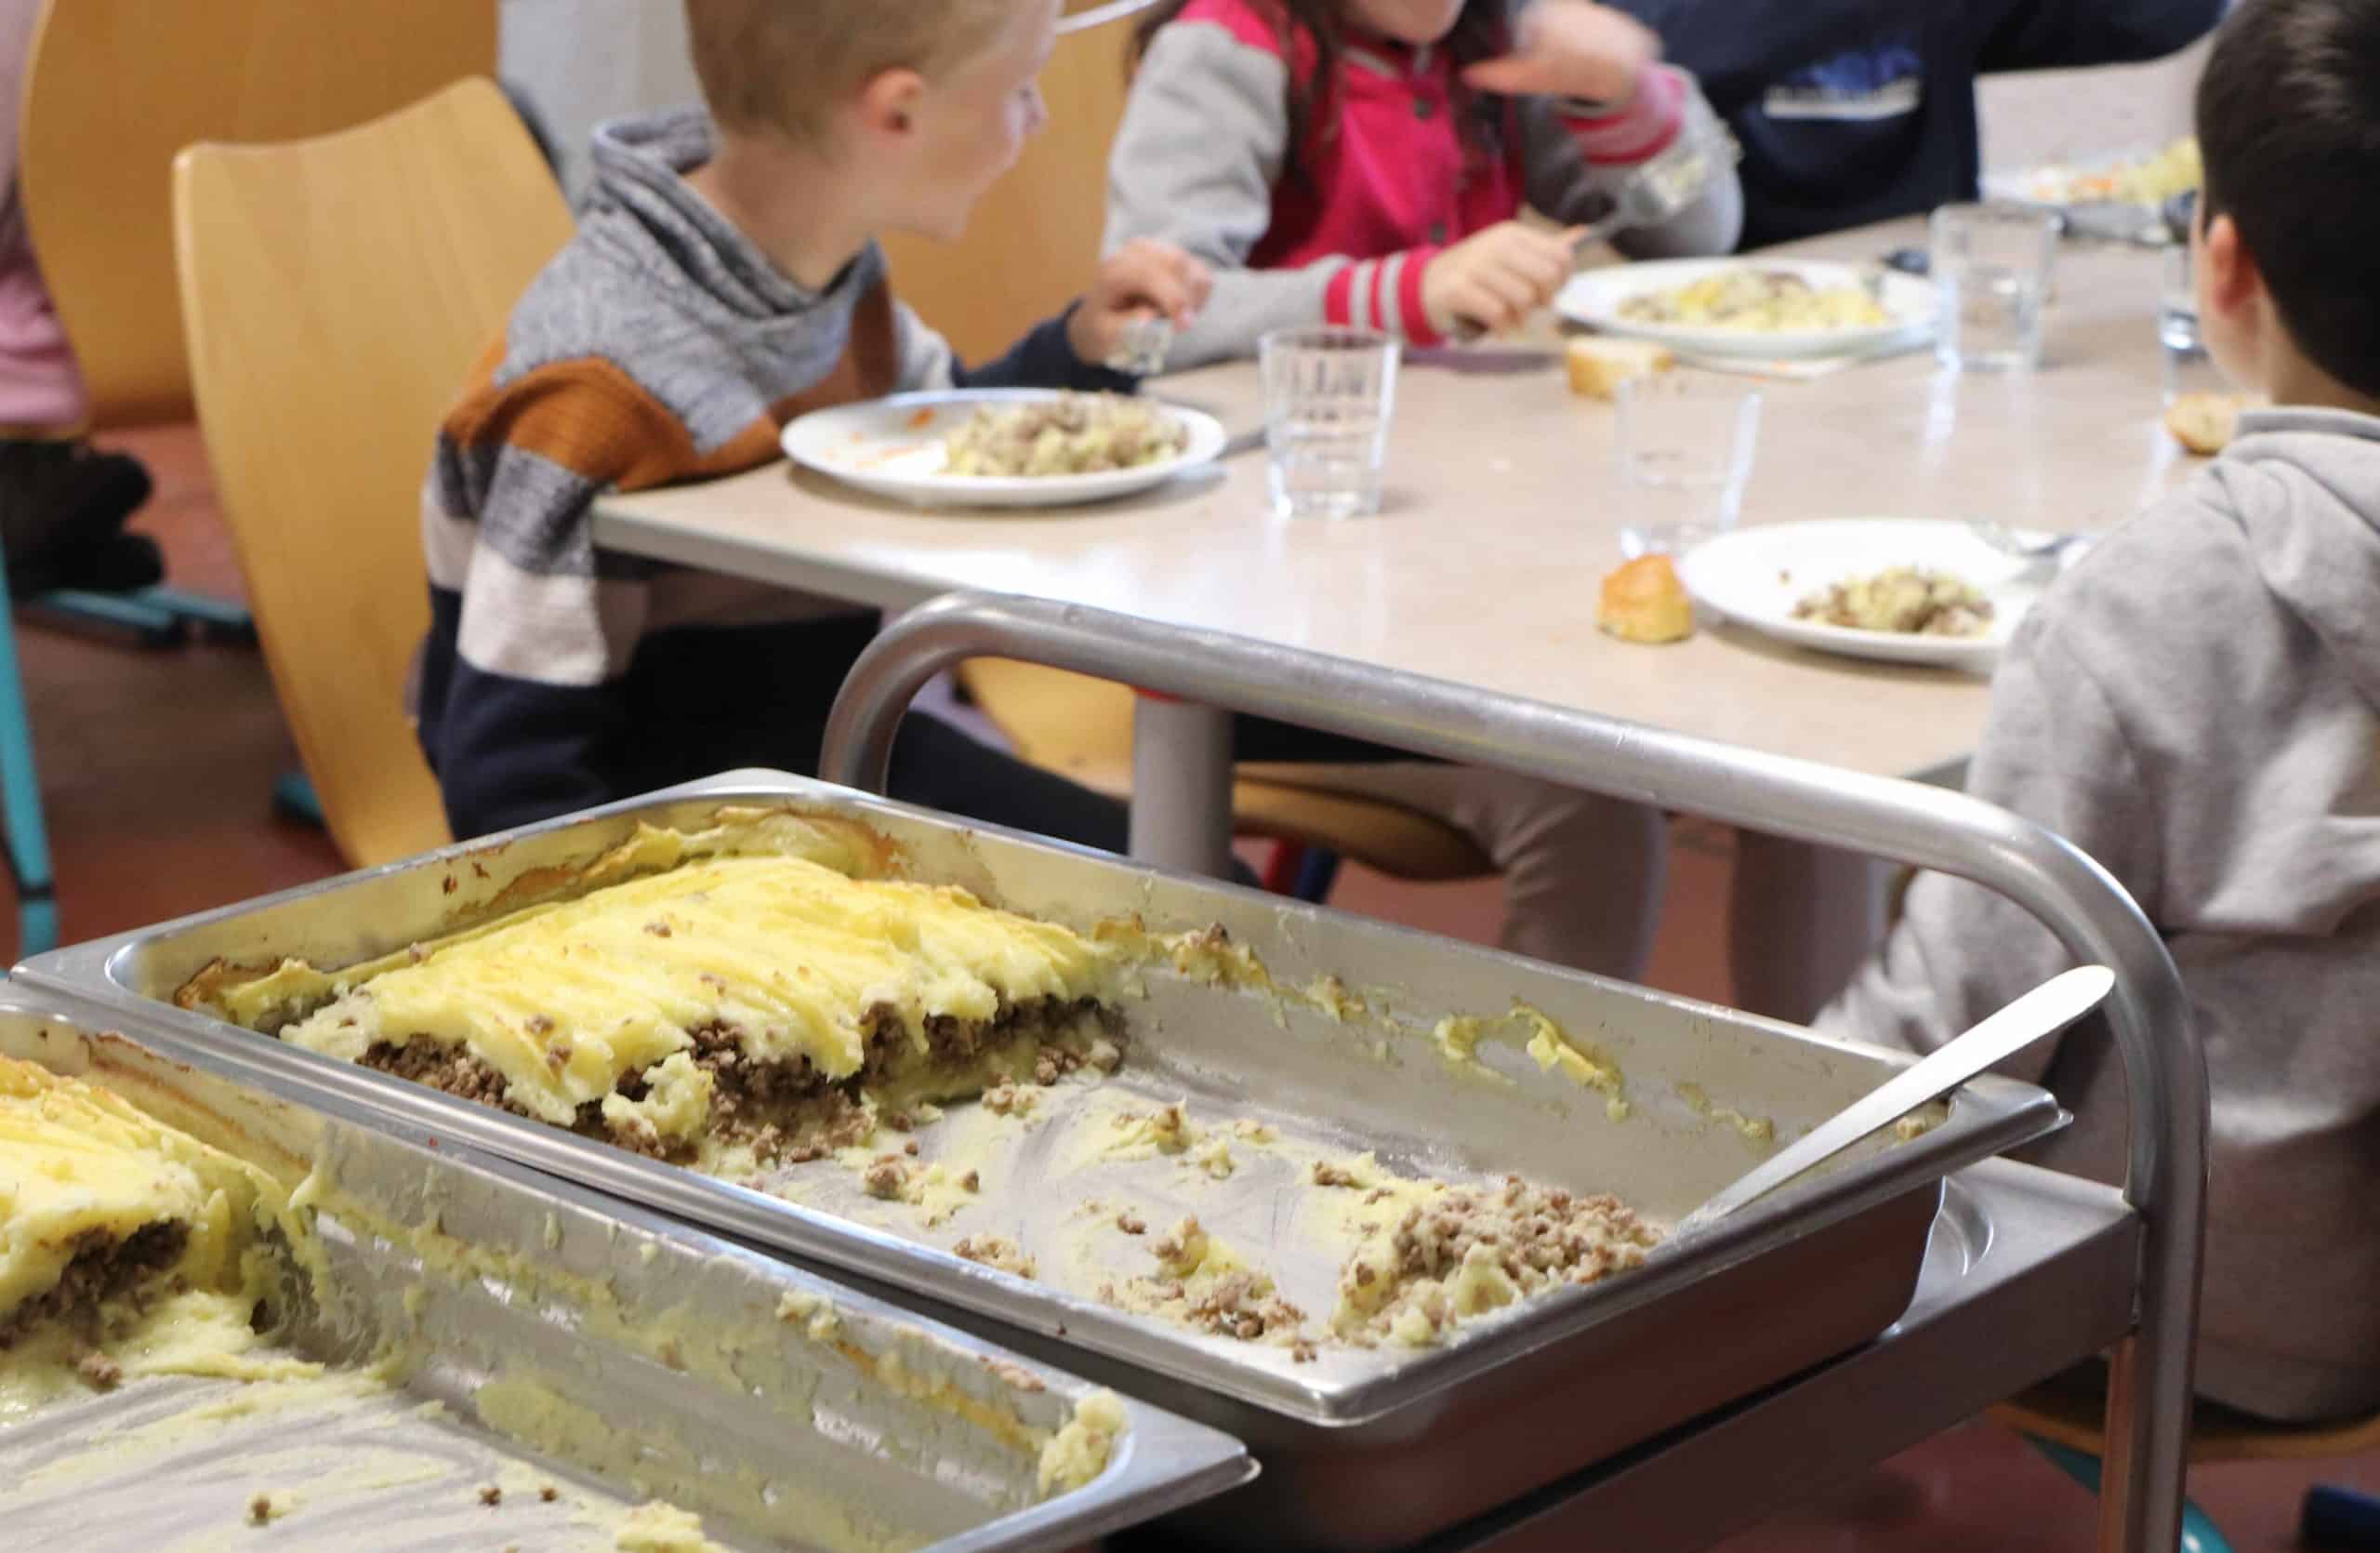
[1643, 602]
[1598, 365]
[2202, 422]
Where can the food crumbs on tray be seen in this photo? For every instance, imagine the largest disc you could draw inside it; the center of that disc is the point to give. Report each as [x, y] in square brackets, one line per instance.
[1758, 1131]
[1131, 1223]
[997, 1251]
[490, 1495]
[1460, 1252]
[1214, 1157]
[1166, 1130]
[1079, 1453]
[267, 1507]
[547, 1493]
[1007, 1099]
[659, 1527]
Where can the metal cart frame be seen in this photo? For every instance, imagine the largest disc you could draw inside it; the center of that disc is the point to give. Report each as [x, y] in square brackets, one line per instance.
[2164, 1189]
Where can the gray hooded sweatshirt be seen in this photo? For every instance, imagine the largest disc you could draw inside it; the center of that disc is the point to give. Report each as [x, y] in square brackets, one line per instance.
[2197, 705]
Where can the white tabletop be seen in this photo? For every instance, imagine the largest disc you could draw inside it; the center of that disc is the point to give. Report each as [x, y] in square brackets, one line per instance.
[1502, 518]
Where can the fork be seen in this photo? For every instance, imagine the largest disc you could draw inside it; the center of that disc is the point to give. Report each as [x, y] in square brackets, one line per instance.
[2008, 542]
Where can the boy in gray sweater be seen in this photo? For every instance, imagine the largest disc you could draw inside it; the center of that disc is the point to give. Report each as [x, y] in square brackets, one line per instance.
[2197, 705]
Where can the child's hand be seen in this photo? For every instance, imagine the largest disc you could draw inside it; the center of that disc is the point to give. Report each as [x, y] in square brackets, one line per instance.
[1496, 278]
[1572, 48]
[1142, 279]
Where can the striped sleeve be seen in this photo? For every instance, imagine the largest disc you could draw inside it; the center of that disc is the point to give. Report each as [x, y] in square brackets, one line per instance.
[530, 628]
[1577, 158]
[1204, 139]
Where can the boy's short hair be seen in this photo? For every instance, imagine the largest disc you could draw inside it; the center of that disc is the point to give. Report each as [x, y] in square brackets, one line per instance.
[2289, 124]
[786, 65]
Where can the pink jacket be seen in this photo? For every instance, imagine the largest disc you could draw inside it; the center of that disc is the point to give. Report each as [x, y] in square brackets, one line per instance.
[1203, 160]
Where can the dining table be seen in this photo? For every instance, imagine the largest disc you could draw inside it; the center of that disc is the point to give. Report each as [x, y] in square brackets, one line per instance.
[1501, 515]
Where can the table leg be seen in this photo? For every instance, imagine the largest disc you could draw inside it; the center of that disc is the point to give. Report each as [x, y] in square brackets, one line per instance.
[1182, 786]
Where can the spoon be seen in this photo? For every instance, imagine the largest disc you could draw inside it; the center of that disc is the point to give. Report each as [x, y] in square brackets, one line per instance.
[2007, 541]
[2043, 1012]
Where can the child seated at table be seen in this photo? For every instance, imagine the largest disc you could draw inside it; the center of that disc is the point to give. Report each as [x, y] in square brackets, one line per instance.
[1364, 162]
[2197, 705]
[724, 279]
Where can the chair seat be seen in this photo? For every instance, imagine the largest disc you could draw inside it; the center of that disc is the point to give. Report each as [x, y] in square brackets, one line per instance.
[1082, 729]
[2069, 1410]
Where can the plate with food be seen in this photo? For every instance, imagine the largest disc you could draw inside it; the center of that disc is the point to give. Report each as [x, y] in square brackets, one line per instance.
[1004, 447]
[1760, 308]
[2122, 195]
[1904, 591]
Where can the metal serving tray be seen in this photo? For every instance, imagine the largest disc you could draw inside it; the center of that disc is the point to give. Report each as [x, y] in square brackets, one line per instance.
[658, 1360]
[1360, 1449]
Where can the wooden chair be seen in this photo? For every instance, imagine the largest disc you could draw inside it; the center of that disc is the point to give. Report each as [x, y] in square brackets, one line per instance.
[337, 292]
[2064, 1419]
[1030, 249]
[114, 89]
[1083, 729]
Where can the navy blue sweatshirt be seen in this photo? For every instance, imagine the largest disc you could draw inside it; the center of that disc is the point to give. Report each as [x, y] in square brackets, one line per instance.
[1857, 111]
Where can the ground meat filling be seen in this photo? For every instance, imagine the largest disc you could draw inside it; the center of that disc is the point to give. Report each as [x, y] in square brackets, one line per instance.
[101, 1269]
[787, 1109]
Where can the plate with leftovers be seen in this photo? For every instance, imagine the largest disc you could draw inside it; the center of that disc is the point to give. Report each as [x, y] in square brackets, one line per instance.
[1902, 590]
[1765, 308]
[1004, 447]
[2120, 195]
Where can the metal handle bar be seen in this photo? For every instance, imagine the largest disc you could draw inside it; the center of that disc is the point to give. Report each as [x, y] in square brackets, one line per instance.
[1928, 828]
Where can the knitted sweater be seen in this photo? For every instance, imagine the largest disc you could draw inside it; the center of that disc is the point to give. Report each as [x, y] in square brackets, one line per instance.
[659, 346]
[1385, 178]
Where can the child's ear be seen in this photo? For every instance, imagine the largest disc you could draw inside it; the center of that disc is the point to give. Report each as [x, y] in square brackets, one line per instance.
[888, 102]
[2233, 282]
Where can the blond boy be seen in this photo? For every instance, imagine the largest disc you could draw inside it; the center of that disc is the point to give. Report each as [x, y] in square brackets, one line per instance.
[726, 277]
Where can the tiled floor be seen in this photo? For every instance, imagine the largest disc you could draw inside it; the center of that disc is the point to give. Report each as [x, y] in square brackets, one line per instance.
[157, 766]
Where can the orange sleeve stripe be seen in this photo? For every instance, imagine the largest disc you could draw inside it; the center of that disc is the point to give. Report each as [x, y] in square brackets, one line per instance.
[591, 417]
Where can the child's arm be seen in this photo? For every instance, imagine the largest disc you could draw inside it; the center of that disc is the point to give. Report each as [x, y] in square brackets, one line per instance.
[2055, 751]
[1205, 138]
[1071, 349]
[524, 715]
[1594, 105]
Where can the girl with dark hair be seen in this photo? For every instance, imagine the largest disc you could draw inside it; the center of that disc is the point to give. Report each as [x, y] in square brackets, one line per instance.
[1364, 161]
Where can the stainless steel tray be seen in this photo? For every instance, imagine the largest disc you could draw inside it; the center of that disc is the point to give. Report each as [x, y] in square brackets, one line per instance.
[1360, 1449]
[661, 1357]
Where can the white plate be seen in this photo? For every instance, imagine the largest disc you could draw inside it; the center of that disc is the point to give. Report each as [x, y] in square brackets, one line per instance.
[1594, 298]
[1756, 576]
[893, 447]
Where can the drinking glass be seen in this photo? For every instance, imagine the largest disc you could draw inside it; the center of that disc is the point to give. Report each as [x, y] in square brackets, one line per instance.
[1328, 396]
[2189, 368]
[1991, 267]
[1685, 442]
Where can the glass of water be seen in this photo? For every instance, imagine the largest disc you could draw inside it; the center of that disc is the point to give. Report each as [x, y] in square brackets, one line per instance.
[1329, 395]
[2188, 367]
[1685, 442]
[1991, 267]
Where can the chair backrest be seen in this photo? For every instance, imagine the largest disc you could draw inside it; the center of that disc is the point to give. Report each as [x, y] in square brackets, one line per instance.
[1033, 242]
[338, 292]
[114, 88]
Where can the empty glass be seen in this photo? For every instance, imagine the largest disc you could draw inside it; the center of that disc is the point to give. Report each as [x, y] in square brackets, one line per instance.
[1328, 396]
[2189, 368]
[1685, 442]
[1991, 267]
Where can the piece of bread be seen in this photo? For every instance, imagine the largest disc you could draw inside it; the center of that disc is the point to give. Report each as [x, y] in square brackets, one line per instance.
[1643, 602]
[1599, 365]
[2202, 422]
